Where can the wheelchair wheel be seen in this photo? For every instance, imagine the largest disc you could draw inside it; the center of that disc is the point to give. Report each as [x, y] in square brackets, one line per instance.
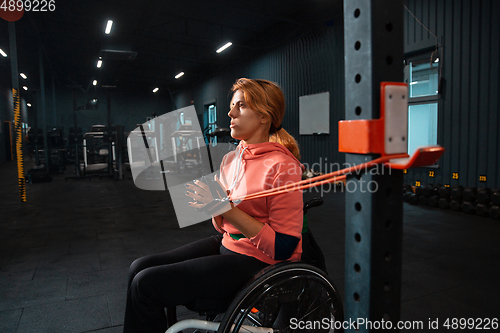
[290, 297]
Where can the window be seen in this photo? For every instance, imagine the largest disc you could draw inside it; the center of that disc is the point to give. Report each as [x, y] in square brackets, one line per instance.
[212, 122]
[422, 76]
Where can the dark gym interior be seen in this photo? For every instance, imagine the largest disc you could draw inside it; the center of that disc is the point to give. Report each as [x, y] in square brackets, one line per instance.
[66, 249]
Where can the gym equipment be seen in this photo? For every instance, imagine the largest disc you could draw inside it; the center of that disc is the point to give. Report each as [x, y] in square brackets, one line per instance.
[444, 192]
[101, 148]
[430, 195]
[469, 194]
[75, 141]
[495, 198]
[407, 188]
[433, 201]
[428, 190]
[483, 195]
[413, 199]
[423, 200]
[381, 120]
[269, 301]
[419, 191]
[35, 142]
[455, 205]
[57, 150]
[456, 192]
[468, 207]
[38, 174]
[118, 151]
[407, 192]
[94, 154]
[494, 212]
[444, 203]
[482, 209]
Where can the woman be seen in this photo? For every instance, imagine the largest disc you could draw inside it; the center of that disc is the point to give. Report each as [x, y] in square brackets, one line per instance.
[253, 234]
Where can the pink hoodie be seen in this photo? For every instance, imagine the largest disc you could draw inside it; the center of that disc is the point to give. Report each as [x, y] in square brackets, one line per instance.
[253, 168]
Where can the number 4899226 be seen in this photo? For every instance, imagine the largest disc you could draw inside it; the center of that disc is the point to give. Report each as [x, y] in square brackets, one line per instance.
[28, 5]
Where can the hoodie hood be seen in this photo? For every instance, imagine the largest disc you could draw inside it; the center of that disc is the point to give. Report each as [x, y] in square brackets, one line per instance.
[258, 150]
[253, 152]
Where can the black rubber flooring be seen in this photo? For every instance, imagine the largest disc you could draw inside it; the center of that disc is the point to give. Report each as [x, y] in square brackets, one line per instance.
[64, 254]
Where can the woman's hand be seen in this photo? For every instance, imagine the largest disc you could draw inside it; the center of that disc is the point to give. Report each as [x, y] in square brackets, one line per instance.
[210, 196]
[199, 192]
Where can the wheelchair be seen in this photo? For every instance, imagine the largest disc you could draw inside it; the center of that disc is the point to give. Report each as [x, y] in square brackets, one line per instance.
[290, 296]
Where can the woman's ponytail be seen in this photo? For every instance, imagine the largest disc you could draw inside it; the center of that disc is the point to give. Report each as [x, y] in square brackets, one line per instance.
[283, 137]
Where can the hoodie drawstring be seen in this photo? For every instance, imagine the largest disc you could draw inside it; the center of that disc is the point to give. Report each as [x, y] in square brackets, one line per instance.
[237, 170]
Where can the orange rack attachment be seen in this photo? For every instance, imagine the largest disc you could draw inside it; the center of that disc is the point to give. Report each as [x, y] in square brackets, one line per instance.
[387, 135]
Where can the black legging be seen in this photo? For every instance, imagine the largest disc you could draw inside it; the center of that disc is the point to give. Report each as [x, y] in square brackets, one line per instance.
[201, 269]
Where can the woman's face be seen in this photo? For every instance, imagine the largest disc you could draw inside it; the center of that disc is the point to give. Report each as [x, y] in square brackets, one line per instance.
[246, 124]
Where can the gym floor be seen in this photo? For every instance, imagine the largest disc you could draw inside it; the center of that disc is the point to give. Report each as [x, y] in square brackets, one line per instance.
[64, 254]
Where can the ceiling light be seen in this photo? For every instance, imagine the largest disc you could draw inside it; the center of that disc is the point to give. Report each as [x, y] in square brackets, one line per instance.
[99, 63]
[23, 76]
[28, 104]
[25, 88]
[224, 47]
[3, 53]
[108, 27]
[156, 89]
[179, 75]
[94, 83]
[437, 60]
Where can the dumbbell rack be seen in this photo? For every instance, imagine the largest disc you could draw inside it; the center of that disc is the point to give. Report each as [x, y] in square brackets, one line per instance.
[470, 200]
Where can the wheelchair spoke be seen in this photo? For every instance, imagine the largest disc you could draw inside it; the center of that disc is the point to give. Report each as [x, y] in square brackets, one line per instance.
[285, 329]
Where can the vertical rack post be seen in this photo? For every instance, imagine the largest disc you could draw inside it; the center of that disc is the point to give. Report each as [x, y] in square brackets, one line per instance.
[17, 112]
[373, 35]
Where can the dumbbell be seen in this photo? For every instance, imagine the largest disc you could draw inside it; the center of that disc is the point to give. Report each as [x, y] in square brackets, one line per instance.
[468, 207]
[413, 199]
[444, 192]
[433, 201]
[483, 195]
[495, 198]
[428, 190]
[407, 191]
[436, 189]
[456, 192]
[455, 205]
[407, 188]
[423, 200]
[444, 203]
[419, 191]
[470, 194]
[494, 212]
[482, 209]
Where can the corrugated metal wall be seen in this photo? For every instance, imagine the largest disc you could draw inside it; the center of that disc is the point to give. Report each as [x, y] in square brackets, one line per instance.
[311, 64]
[468, 31]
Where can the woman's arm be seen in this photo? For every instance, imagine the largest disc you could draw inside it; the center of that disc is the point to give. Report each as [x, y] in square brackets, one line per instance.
[245, 223]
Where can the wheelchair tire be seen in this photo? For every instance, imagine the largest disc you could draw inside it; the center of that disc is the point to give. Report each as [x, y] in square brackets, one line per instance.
[288, 297]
